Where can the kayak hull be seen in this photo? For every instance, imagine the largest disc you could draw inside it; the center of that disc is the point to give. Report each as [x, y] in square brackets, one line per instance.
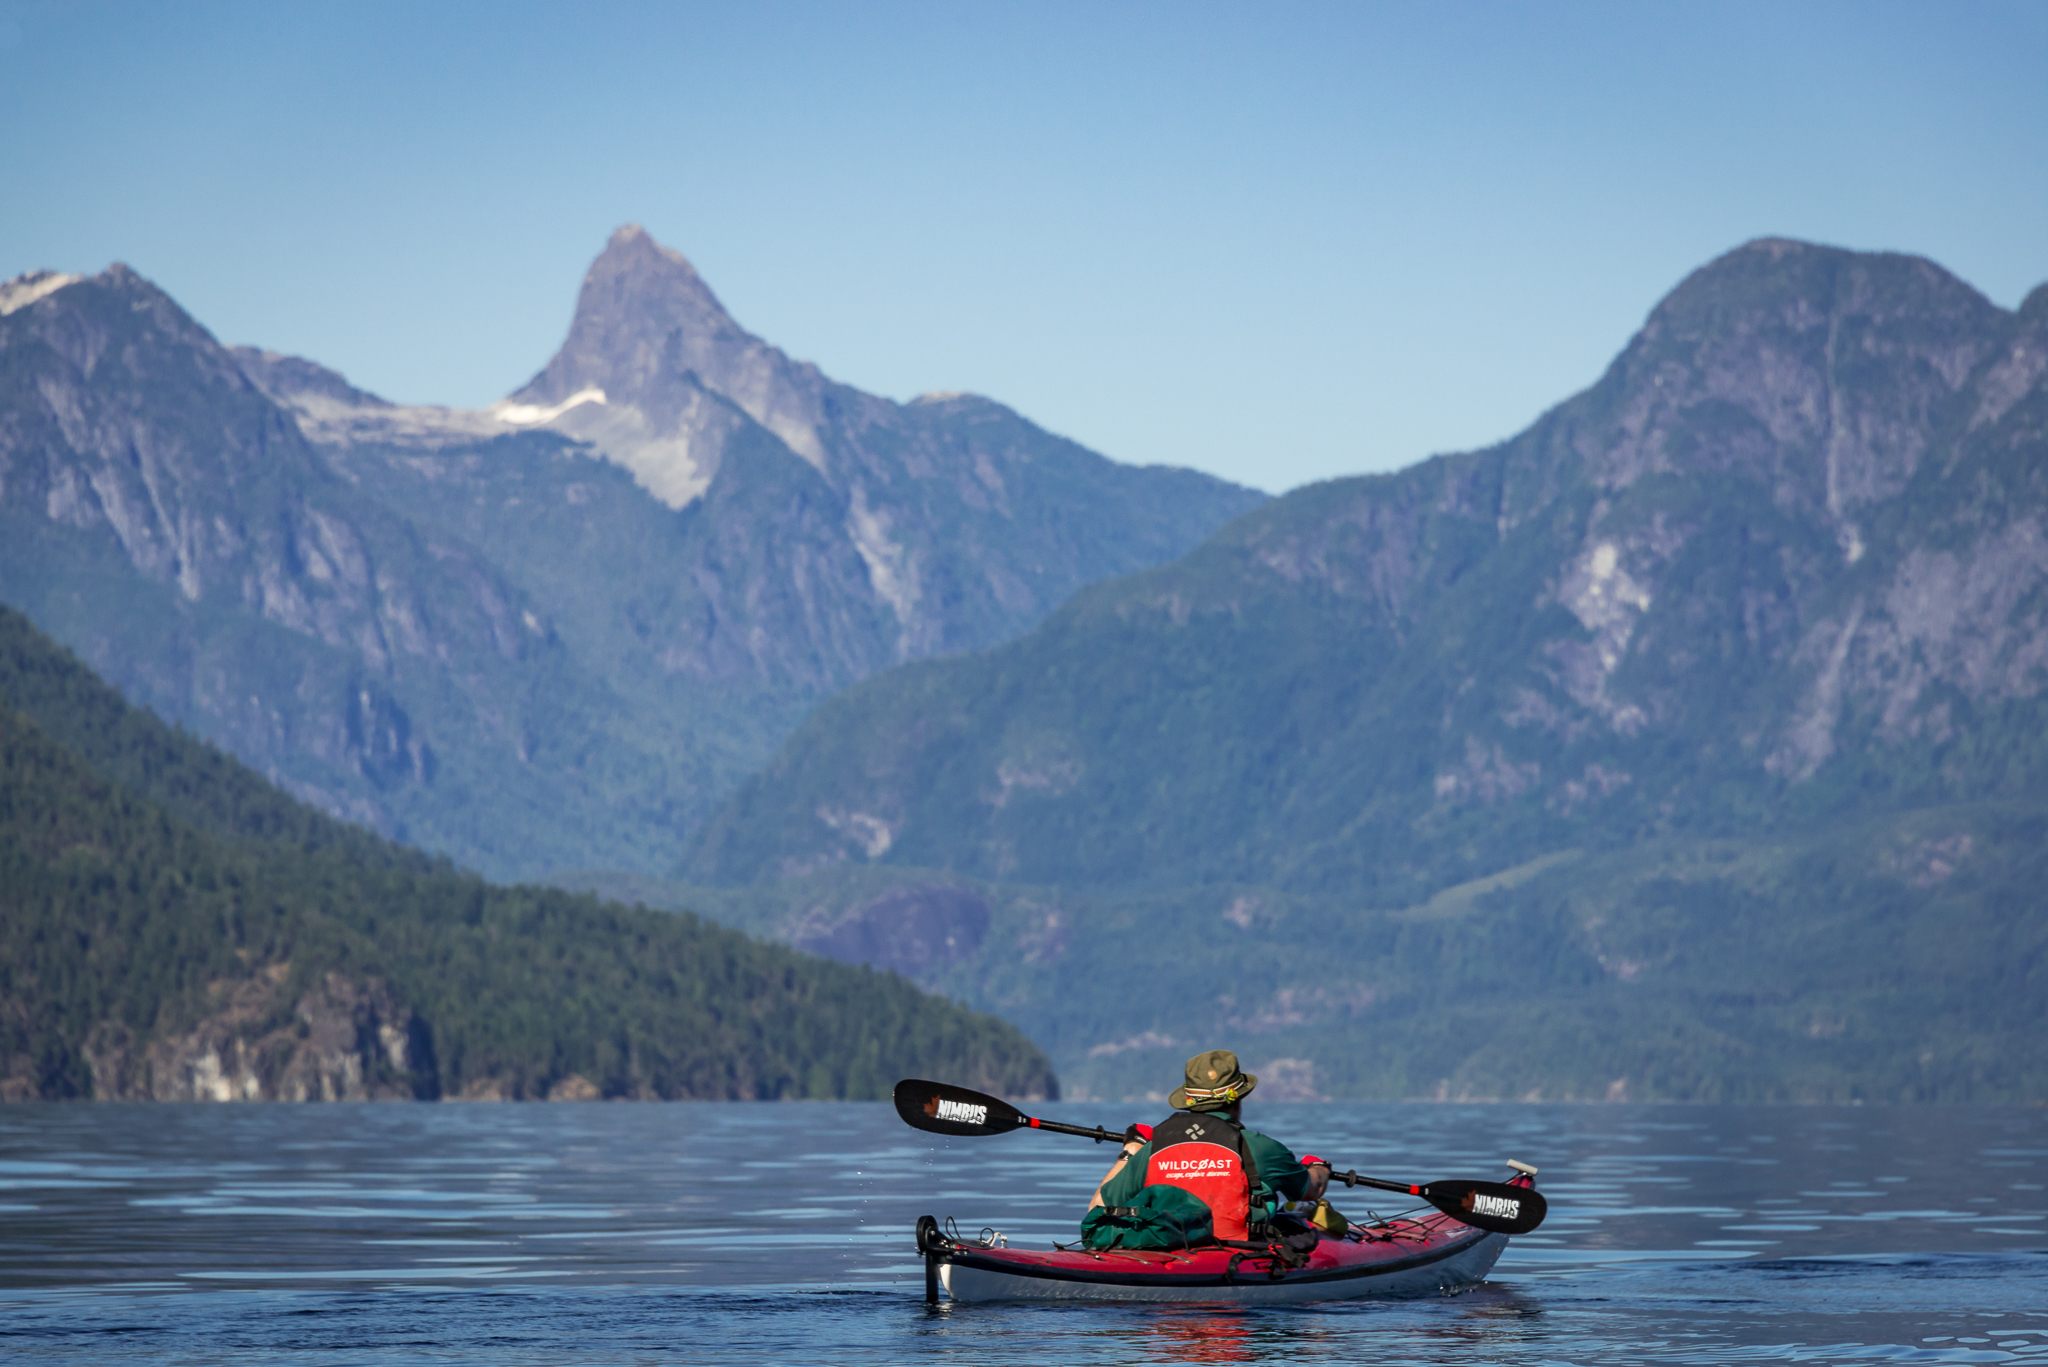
[1128, 1277]
[1430, 1255]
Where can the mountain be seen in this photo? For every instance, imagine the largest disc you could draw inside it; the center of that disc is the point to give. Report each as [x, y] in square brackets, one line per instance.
[176, 929]
[479, 632]
[173, 524]
[944, 524]
[1747, 640]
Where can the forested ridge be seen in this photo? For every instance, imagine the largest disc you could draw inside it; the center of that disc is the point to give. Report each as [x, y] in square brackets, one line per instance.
[171, 925]
[1690, 744]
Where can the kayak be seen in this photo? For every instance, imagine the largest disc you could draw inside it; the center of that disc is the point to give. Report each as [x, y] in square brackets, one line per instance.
[1404, 1256]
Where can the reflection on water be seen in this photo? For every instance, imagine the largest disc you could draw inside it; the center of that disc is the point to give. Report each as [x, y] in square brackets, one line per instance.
[782, 1233]
[1187, 1336]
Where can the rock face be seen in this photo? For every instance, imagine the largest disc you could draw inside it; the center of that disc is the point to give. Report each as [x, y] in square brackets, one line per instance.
[546, 636]
[1787, 555]
[338, 1041]
[899, 530]
[173, 523]
[913, 930]
[649, 339]
[132, 435]
[1692, 743]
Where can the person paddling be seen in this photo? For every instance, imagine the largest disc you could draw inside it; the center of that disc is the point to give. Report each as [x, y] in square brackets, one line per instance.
[1237, 1177]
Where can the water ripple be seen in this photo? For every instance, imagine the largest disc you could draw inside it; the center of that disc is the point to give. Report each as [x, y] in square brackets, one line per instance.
[745, 1234]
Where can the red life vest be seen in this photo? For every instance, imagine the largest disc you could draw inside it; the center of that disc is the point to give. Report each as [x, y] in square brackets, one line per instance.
[1204, 1156]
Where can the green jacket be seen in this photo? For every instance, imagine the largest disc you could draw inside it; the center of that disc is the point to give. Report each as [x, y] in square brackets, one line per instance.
[1281, 1175]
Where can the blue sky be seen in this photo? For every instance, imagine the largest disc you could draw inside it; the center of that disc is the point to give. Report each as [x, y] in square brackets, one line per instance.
[1280, 243]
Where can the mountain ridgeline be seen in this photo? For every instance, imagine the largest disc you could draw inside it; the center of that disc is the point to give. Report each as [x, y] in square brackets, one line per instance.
[547, 635]
[176, 929]
[1691, 742]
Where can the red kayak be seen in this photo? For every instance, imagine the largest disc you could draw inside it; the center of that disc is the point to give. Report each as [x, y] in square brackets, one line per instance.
[1424, 1255]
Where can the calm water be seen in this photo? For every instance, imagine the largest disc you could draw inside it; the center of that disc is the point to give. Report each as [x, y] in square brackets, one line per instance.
[643, 1233]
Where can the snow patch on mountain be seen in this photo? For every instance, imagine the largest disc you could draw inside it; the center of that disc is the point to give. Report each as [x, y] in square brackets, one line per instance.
[327, 418]
[675, 468]
[533, 414]
[24, 290]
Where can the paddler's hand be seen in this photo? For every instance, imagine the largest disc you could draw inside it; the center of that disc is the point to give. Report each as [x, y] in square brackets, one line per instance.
[1318, 1177]
[1135, 1137]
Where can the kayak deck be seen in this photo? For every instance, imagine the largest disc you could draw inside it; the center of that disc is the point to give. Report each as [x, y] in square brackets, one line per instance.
[1418, 1256]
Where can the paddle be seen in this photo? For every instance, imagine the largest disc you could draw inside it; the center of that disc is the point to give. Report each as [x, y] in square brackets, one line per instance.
[1495, 1206]
[941, 1108]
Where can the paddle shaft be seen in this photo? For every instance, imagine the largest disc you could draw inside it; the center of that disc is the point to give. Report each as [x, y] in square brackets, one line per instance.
[1097, 1133]
[1352, 1179]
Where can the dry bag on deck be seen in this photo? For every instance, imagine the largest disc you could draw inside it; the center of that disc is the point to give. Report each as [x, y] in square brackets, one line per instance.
[1158, 1217]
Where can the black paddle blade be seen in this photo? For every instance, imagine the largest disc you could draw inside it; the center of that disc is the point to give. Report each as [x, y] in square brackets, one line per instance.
[1494, 1206]
[942, 1108]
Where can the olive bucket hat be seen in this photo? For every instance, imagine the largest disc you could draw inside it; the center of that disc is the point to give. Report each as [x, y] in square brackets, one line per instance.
[1213, 1081]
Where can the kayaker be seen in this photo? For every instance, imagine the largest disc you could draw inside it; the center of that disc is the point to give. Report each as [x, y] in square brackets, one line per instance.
[1204, 1149]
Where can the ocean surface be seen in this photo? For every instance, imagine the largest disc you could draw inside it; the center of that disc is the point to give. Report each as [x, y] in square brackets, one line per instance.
[782, 1233]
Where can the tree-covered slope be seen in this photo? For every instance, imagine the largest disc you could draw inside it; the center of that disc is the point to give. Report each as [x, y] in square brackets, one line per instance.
[1718, 656]
[171, 927]
[1902, 957]
[1786, 561]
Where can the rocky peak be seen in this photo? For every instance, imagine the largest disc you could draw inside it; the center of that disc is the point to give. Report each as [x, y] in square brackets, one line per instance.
[25, 289]
[291, 380]
[1780, 284]
[1813, 370]
[120, 319]
[642, 309]
[961, 402]
[662, 277]
[647, 336]
[2034, 308]
[143, 296]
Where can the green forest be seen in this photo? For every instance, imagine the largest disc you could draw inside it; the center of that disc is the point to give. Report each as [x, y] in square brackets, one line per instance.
[1898, 958]
[154, 887]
